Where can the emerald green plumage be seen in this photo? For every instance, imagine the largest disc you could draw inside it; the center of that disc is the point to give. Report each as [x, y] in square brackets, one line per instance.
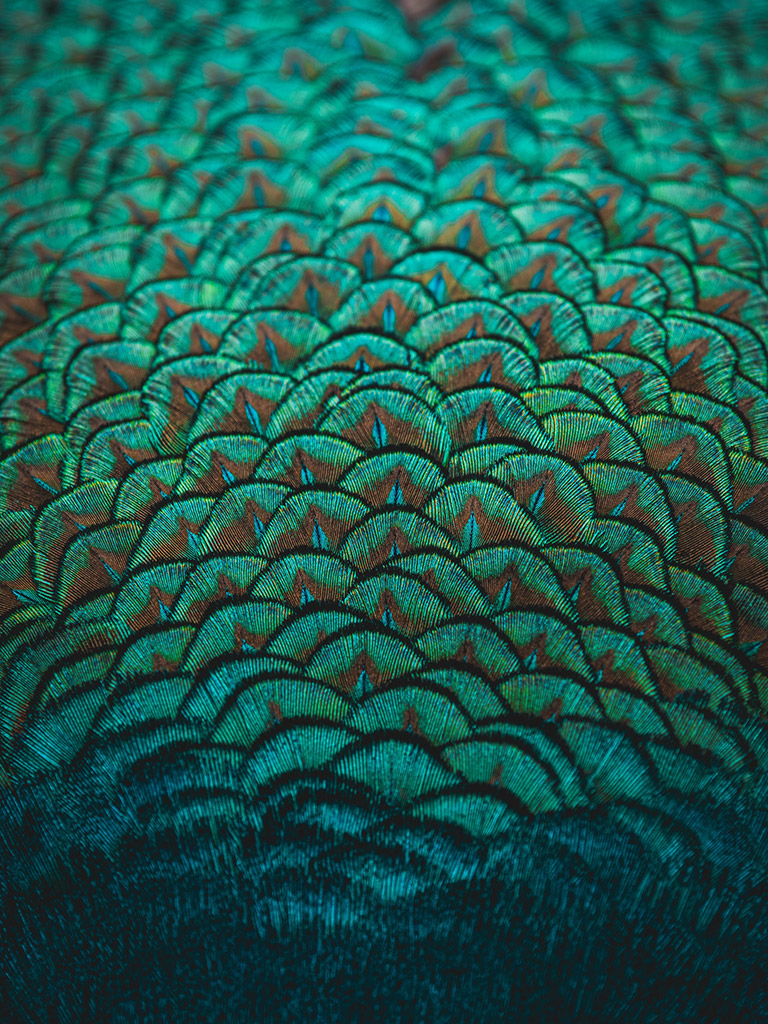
[384, 491]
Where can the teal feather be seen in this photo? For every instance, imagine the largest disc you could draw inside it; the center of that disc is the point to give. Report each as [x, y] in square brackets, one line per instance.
[383, 511]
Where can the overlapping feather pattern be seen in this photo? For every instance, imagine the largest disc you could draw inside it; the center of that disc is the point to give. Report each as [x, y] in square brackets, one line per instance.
[384, 577]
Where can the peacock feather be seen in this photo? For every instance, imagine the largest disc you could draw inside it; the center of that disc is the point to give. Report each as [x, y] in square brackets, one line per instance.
[384, 492]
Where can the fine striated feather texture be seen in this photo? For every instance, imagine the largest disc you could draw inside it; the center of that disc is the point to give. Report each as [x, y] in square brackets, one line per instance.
[384, 492]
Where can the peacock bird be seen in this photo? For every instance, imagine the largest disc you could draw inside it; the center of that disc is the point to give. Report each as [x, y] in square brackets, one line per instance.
[384, 491]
